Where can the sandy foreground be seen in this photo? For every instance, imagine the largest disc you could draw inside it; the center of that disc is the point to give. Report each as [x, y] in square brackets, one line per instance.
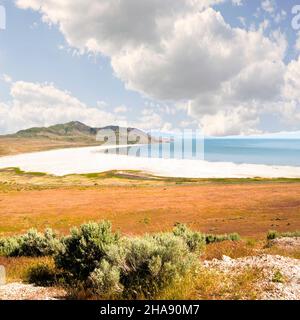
[91, 159]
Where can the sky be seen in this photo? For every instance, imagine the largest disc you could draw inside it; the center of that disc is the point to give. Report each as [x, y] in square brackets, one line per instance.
[226, 67]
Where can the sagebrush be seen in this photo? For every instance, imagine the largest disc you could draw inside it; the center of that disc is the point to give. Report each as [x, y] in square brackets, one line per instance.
[31, 244]
[99, 262]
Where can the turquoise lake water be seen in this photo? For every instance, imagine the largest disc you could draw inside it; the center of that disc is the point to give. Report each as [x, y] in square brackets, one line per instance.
[252, 151]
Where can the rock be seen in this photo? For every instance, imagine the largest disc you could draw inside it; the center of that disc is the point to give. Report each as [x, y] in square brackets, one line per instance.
[2, 276]
[226, 259]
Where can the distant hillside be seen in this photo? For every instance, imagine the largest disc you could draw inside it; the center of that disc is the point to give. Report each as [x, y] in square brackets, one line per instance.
[68, 135]
[71, 129]
[77, 131]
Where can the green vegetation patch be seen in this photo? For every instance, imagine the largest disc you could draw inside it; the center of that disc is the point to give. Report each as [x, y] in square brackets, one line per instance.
[31, 244]
[100, 263]
[274, 235]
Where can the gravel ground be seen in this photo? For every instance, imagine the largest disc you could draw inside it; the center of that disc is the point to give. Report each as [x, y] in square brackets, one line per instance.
[286, 243]
[19, 291]
[288, 289]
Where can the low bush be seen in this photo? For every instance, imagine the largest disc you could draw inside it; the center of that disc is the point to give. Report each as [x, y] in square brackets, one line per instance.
[278, 277]
[154, 262]
[94, 260]
[194, 240]
[31, 244]
[9, 246]
[35, 244]
[211, 238]
[274, 234]
[85, 248]
[42, 275]
[103, 264]
[105, 280]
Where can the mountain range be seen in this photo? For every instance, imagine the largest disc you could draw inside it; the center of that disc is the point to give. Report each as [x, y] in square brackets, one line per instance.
[78, 131]
[71, 134]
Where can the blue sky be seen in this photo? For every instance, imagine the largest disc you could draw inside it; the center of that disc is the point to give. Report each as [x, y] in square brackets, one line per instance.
[30, 52]
[227, 67]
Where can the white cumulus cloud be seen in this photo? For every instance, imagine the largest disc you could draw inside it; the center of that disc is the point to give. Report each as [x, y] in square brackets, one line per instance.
[42, 104]
[35, 104]
[181, 51]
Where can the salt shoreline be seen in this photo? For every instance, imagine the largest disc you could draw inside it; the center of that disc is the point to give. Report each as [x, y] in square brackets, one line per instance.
[88, 160]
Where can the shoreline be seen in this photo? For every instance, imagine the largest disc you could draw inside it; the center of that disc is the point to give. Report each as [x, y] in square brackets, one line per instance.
[86, 160]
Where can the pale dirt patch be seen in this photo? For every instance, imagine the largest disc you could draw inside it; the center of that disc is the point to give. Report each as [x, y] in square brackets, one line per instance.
[287, 243]
[19, 291]
[288, 288]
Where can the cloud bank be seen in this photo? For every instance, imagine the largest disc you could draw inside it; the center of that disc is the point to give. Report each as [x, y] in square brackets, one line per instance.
[42, 104]
[183, 51]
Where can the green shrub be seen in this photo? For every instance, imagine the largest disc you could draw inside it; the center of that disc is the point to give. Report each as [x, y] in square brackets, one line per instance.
[278, 277]
[105, 280]
[127, 268]
[194, 240]
[84, 249]
[94, 260]
[295, 234]
[42, 275]
[211, 238]
[35, 244]
[152, 263]
[9, 246]
[31, 244]
[274, 234]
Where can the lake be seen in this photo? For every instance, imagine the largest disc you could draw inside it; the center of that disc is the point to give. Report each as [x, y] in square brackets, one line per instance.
[284, 152]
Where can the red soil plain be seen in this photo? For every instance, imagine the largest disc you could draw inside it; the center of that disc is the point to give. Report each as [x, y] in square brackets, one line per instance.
[248, 208]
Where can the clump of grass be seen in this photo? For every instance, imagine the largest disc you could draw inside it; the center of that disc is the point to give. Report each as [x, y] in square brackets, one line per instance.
[17, 267]
[196, 240]
[285, 252]
[215, 285]
[18, 171]
[211, 238]
[278, 277]
[42, 274]
[274, 235]
[235, 250]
